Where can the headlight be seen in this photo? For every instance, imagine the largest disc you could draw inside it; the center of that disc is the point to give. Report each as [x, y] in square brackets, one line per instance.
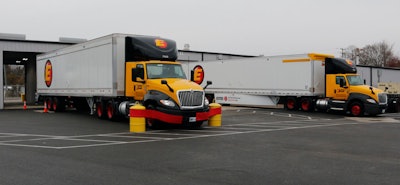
[371, 100]
[168, 103]
[206, 102]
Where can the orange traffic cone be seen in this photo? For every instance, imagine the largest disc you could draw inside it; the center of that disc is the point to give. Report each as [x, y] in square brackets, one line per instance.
[45, 108]
[24, 104]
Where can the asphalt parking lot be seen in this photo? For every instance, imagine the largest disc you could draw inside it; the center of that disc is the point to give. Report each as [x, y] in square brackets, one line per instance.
[253, 146]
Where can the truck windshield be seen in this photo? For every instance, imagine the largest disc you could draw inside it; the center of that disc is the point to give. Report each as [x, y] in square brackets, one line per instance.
[156, 71]
[355, 80]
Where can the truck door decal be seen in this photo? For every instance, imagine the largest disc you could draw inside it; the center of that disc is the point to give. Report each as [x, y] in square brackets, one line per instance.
[340, 92]
[48, 73]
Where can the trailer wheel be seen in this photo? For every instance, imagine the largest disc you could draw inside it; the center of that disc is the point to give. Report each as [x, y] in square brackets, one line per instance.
[111, 111]
[58, 104]
[101, 110]
[356, 109]
[49, 103]
[307, 104]
[291, 103]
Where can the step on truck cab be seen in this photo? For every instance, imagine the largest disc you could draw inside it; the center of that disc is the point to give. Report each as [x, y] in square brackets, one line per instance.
[109, 74]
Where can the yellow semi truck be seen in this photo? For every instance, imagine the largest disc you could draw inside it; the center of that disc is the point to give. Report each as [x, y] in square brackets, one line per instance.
[107, 75]
[304, 82]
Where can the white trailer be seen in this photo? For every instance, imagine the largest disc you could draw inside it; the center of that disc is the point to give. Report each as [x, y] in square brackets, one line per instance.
[262, 80]
[93, 68]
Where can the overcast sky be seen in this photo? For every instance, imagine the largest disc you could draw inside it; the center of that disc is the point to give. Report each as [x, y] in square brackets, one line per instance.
[247, 27]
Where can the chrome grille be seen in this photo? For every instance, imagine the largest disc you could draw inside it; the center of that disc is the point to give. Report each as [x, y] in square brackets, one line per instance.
[382, 97]
[191, 99]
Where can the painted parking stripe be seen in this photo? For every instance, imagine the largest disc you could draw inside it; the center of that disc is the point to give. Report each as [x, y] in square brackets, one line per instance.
[106, 139]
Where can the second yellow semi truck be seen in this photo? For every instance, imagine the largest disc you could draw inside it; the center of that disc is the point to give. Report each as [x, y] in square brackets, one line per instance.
[304, 82]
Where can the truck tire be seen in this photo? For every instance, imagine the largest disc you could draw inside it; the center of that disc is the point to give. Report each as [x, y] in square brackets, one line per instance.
[356, 109]
[49, 103]
[58, 104]
[291, 103]
[101, 110]
[307, 104]
[110, 109]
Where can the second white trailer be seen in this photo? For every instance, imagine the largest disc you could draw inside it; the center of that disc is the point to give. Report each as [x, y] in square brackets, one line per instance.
[262, 80]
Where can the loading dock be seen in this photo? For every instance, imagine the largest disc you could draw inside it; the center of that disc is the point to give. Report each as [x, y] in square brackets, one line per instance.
[16, 50]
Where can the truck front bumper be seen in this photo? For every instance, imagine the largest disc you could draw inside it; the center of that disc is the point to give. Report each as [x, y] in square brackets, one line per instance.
[374, 109]
[176, 116]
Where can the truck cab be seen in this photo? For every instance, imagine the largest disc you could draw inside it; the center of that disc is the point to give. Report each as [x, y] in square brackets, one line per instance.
[347, 91]
[160, 84]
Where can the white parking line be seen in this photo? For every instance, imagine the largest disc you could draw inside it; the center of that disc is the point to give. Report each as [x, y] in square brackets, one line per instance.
[164, 135]
[31, 146]
[104, 144]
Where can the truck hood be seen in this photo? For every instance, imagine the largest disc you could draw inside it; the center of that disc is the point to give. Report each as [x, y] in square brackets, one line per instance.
[365, 89]
[175, 83]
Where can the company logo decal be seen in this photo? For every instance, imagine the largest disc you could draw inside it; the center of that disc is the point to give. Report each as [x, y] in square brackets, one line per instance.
[48, 73]
[198, 74]
[161, 43]
[349, 62]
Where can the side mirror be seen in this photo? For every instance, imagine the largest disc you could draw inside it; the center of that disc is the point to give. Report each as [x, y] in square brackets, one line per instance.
[138, 73]
[208, 83]
[164, 82]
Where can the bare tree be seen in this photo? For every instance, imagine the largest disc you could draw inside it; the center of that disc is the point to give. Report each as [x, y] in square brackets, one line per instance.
[351, 53]
[394, 62]
[378, 54]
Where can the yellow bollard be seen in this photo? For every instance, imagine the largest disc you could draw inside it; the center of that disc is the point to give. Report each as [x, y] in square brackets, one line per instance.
[216, 118]
[22, 97]
[137, 120]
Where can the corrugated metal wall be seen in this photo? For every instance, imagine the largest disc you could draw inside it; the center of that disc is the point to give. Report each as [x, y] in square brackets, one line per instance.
[375, 75]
